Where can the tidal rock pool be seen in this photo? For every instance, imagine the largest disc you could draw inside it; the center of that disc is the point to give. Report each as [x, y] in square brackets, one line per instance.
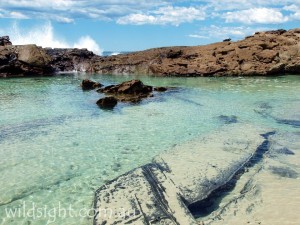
[57, 147]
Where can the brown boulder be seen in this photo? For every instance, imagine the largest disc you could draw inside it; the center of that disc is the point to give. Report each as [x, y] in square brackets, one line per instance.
[107, 102]
[130, 91]
[132, 87]
[90, 85]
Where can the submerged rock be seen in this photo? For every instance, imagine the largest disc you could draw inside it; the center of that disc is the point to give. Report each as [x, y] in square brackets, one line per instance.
[90, 85]
[160, 192]
[107, 102]
[284, 172]
[228, 119]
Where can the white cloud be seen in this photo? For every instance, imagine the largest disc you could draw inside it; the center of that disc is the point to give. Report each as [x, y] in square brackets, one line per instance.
[220, 33]
[295, 11]
[165, 15]
[44, 36]
[74, 9]
[256, 15]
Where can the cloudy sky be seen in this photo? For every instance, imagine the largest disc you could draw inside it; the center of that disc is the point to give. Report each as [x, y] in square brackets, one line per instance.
[127, 25]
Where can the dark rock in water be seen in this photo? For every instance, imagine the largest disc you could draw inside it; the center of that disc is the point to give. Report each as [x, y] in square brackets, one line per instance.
[133, 87]
[107, 102]
[4, 41]
[160, 89]
[284, 172]
[90, 85]
[129, 91]
[228, 119]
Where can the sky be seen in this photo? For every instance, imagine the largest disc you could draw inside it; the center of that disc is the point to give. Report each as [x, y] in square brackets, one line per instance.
[128, 25]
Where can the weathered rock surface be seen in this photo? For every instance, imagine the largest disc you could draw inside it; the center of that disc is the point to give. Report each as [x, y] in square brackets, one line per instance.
[128, 91]
[24, 60]
[160, 192]
[264, 53]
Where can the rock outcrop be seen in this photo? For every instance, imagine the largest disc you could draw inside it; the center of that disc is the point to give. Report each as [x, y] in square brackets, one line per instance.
[162, 192]
[66, 60]
[264, 53]
[24, 60]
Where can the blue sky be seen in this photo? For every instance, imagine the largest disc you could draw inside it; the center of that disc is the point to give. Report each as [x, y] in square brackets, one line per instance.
[128, 25]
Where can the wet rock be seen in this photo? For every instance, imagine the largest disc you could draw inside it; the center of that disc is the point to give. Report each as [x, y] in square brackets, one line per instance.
[90, 85]
[72, 59]
[5, 41]
[160, 89]
[107, 102]
[129, 91]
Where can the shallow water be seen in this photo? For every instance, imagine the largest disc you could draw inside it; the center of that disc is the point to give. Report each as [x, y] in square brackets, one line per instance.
[57, 147]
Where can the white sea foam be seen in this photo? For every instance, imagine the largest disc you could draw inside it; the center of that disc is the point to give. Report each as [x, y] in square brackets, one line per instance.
[45, 36]
[115, 53]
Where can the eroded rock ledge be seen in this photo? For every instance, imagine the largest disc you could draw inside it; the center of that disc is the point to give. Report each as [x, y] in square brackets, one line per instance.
[264, 53]
[161, 192]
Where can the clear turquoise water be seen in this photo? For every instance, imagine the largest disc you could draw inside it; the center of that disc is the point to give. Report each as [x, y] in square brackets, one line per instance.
[57, 147]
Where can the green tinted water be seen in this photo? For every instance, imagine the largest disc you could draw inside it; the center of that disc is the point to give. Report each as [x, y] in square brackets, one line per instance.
[57, 147]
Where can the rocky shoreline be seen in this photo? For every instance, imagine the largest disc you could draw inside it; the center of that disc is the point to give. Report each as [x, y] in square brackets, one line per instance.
[263, 54]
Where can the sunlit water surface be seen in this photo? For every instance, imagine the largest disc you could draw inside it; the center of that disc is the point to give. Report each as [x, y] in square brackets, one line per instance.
[57, 147]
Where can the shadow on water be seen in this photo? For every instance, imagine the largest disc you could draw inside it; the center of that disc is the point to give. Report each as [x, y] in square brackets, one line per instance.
[206, 206]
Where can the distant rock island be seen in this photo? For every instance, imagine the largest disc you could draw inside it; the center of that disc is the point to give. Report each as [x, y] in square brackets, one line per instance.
[262, 54]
